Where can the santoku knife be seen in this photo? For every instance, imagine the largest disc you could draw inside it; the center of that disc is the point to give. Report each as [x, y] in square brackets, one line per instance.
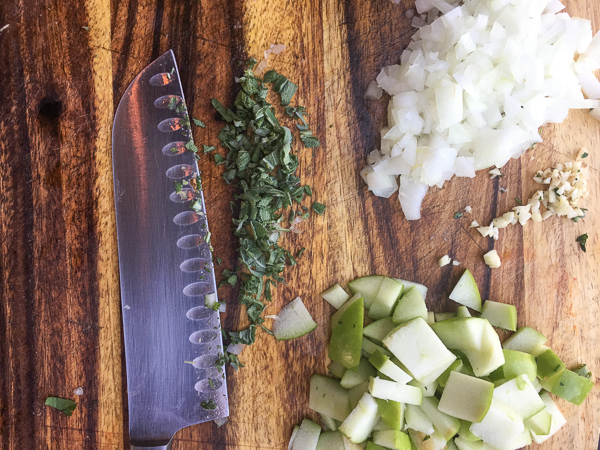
[172, 340]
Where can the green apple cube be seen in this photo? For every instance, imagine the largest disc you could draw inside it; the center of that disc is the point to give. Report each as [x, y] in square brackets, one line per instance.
[549, 369]
[428, 390]
[410, 305]
[379, 329]
[328, 397]
[455, 366]
[558, 419]
[392, 413]
[463, 311]
[336, 296]
[383, 364]
[490, 356]
[360, 423]
[525, 340]
[369, 348]
[430, 318]
[346, 337]
[572, 387]
[390, 390]
[466, 292]
[336, 369]
[461, 333]
[356, 393]
[293, 436]
[330, 440]
[357, 375]
[367, 286]
[417, 347]
[307, 436]
[349, 445]
[336, 315]
[387, 296]
[422, 441]
[417, 420]
[501, 315]
[329, 422]
[540, 423]
[293, 321]
[393, 439]
[444, 316]
[444, 424]
[500, 426]
[451, 445]
[520, 396]
[466, 397]
[381, 425]
[373, 446]
[464, 444]
[518, 363]
[465, 433]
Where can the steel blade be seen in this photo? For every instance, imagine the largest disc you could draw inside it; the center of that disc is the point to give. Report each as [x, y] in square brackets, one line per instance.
[165, 262]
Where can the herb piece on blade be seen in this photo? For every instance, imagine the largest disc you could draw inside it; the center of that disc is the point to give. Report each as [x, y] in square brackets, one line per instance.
[64, 405]
[208, 404]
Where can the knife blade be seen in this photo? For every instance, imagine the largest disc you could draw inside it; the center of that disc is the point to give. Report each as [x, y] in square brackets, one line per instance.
[165, 263]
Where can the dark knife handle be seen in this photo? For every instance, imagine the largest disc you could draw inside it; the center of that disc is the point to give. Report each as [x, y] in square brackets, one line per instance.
[154, 447]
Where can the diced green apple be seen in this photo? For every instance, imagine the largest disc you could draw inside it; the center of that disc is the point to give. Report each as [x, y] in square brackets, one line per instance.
[500, 426]
[367, 286]
[455, 366]
[523, 440]
[464, 334]
[387, 297]
[421, 288]
[520, 396]
[336, 296]
[466, 292]
[428, 389]
[572, 387]
[517, 363]
[390, 390]
[307, 436]
[360, 423]
[328, 397]
[373, 446]
[357, 375]
[417, 420]
[393, 439]
[525, 340]
[549, 369]
[490, 356]
[356, 393]
[329, 422]
[336, 315]
[540, 423]
[381, 425]
[463, 311]
[293, 321]
[293, 436]
[383, 364]
[369, 348]
[379, 329]
[465, 444]
[466, 397]
[346, 337]
[349, 445]
[422, 441]
[410, 305]
[417, 347]
[330, 440]
[392, 413]
[444, 316]
[558, 419]
[430, 318]
[444, 424]
[465, 433]
[501, 315]
[336, 369]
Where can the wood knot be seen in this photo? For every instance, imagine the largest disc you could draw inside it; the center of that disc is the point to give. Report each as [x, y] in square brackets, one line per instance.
[50, 108]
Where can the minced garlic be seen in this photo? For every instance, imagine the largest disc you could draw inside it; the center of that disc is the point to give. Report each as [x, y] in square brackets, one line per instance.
[444, 261]
[492, 259]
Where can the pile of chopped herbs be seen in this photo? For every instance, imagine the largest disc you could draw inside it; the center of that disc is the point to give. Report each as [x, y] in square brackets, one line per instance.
[260, 164]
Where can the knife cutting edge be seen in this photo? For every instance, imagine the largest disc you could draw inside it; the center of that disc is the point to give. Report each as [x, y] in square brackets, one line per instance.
[172, 341]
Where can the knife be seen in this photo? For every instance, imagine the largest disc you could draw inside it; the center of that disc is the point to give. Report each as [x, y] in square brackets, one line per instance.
[172, 341]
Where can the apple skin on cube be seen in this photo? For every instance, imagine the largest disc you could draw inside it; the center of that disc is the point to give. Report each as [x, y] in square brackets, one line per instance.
[455, 366]
[461, 333]
[572, 387]
[360, 422]
[501, 315]
[335, 318]
[422, 441]
[387, 296]
[558, 419]
[346, 337]
[525, 340]
[540, 423]
[336, 369]
[330, 440]
[390, 390]
[307, 437]
[517, 363]
[410, 305]
[369, 348]
[336, 296]
[357, 375]
[466, 397]
[419, 349]
[383, 364]
[379, 329]
[367, 286]
[392, 413]
[466, 292]
[393, 439]
[328, 397]
[373, 446]
[463, 311]
[549, 369]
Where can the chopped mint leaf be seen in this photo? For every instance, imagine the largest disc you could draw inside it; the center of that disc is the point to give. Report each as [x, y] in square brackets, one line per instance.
[199, 123]
[208, 148]
[208, 404]
[582, 241]
[319, 208]
[458, 215]
[64, 405]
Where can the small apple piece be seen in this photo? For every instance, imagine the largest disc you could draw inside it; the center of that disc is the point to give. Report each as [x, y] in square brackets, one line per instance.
[465, 444]
[392, 413]
[336, 315]
[501, 315]
[461, 333]
[500, 426]
[444, 315]
[430, 318]
[360, 423]
[422, 441]
[549, 369]
[455, 366]
[421, 288]
[336, 296]
[540, 423]
[444, 424]
[419, 349]
[465, 433]
[330, 440]
[373, 446]
[383, 364]
[390, 390]
[466, 292]
[349, 445]
[356, 393]
[428, 390]
[307, 436]
[490, 356]
[518, 363]
[393, 439]
[463, 311]
[572, 387]
[410, 305]
[293, 321]
[558, 419]
[466, 397]
[381, 425]
[367, 286]
[387, 296]
[369, 348]
[329, 423]
[346, 337]
[357, 375]
[525, 340]
[520, 396]
[379, 329]
[328, 397]
[336, 369]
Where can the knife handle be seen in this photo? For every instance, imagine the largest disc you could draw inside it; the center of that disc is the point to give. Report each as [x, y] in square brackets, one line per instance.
[154, 447]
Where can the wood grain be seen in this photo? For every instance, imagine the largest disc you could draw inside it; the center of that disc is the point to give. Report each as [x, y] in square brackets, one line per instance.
[59, 311]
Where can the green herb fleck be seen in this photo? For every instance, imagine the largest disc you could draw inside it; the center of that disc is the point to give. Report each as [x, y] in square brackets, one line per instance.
[191, 146]
[64, 405]
[199, 123]
[319, 208]
[208, 148]
[582, 241]
[208, 404]
[458, 215]
[88, 29]
[584, 155]
[211, 383]
[219, 159]
[582, 216]
[219, 261]
[426, 438]
[518, 200]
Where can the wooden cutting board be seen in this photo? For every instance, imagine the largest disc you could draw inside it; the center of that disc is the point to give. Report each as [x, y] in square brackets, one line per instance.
[63, 67]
